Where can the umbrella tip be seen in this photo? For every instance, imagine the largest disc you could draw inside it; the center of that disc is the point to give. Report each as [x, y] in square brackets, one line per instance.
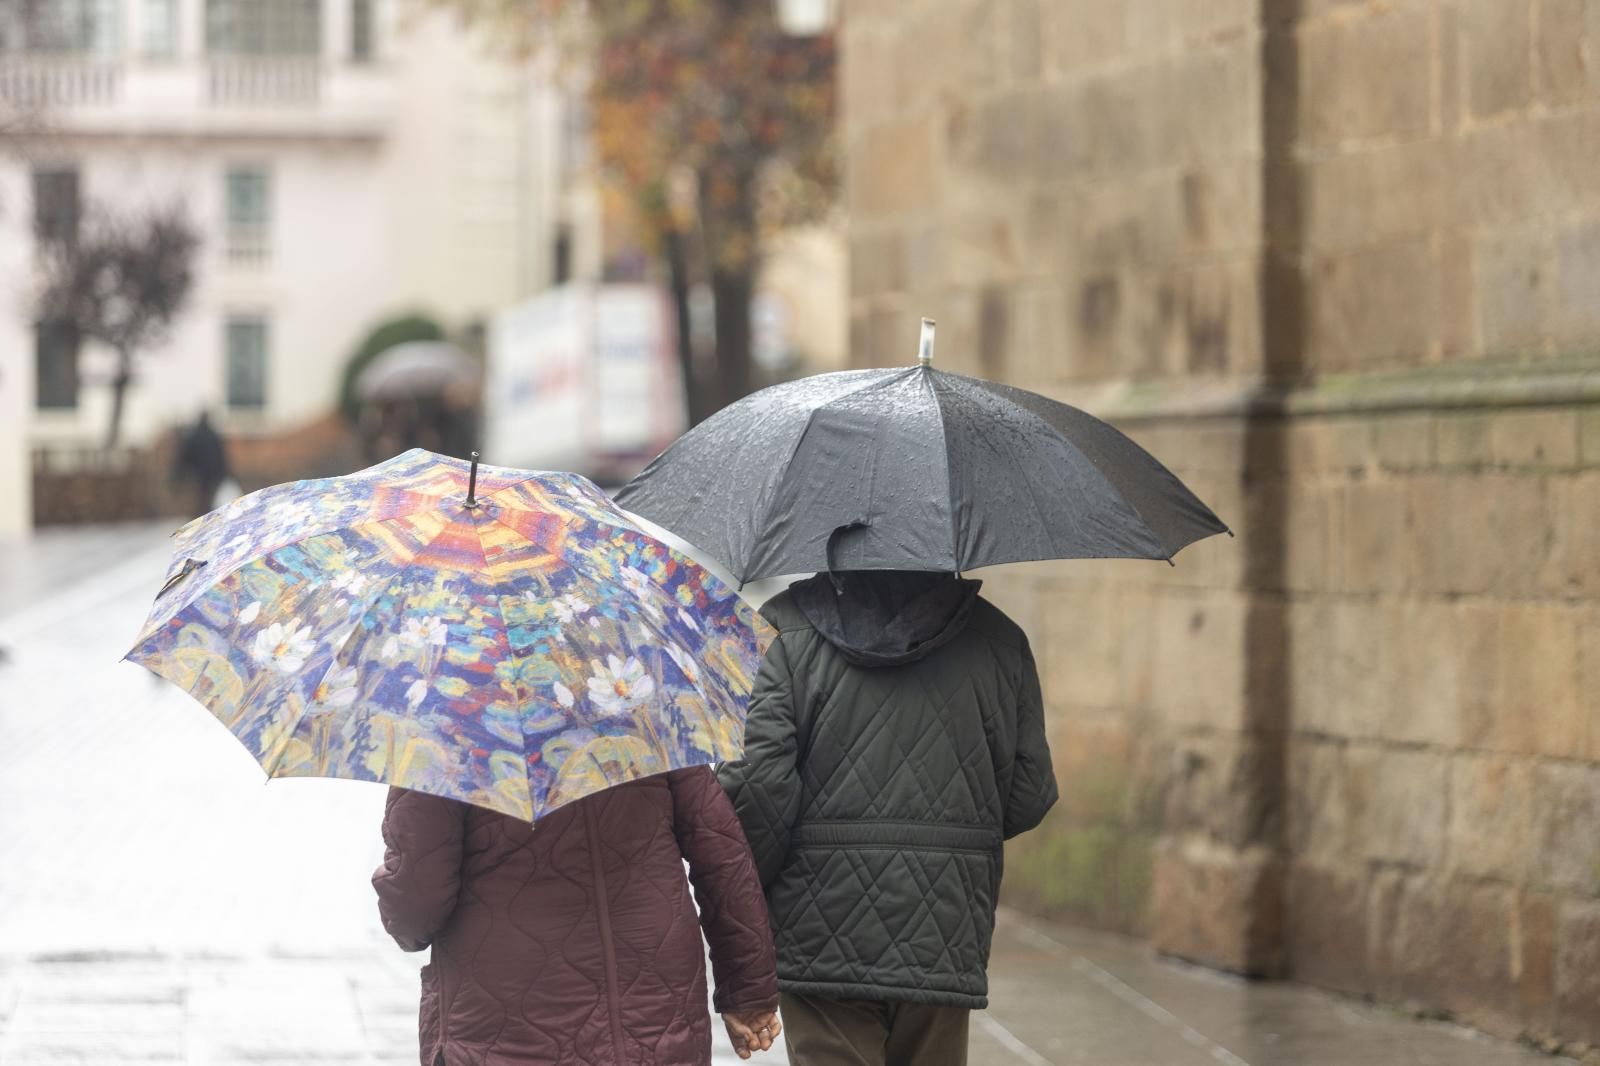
[925, 343]
[472, 483]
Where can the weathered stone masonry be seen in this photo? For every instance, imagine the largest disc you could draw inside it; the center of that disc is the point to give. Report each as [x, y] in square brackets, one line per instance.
[1337, 262]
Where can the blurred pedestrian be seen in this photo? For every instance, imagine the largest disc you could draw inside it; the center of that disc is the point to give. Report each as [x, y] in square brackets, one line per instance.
[202, 463]
[575, 941]
[895, 739]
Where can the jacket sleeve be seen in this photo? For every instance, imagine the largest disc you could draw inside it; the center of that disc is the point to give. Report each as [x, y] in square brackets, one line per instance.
[420, 878]
[765, 785]
[733, 911]
[1033, 779]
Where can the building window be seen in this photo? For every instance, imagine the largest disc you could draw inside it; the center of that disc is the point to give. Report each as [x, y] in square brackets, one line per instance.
[55, 348]
[76, 27]
[56, 205]
[248, 204]
[362, 32]
[247, 362]
[253, 28]
[160, 29]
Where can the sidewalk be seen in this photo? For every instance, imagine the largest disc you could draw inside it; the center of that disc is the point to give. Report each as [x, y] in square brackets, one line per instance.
[158, 904]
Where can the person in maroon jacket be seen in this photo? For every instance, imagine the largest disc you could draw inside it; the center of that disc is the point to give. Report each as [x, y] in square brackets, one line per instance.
[575, 940]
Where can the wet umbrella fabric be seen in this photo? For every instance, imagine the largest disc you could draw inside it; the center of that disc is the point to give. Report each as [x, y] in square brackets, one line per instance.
[518, 653]
[912, 469]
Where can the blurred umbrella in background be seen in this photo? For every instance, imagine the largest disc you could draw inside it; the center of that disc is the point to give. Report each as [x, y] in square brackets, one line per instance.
[418, 368]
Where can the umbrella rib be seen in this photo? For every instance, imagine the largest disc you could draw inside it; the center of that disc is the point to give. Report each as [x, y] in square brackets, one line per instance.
[505, 633]
[956, 547]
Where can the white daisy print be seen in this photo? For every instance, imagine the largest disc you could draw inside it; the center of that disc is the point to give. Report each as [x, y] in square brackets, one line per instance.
[564, 695]
[620, 685]
[284, 645]
[636, 580]
[420, 632]
[338, 689]
[416, 693]
[250, 613]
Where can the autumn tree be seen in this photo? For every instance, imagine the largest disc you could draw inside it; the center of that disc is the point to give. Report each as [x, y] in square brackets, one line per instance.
[120, 280]
[711, 97]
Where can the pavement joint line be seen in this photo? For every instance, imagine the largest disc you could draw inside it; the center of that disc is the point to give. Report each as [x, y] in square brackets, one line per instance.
[1010, 1041]
[1155, 1011]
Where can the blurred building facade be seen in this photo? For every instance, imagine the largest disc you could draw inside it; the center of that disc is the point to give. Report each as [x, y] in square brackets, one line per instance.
[1338, 264]
[345, 160]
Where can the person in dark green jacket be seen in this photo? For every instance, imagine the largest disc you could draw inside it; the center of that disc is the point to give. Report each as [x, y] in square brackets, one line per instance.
[895, 740]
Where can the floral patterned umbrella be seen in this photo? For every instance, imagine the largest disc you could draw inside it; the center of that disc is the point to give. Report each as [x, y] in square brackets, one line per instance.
[502, 637]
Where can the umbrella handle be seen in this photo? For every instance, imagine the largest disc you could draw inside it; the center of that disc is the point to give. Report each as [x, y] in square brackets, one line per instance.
[832, 548]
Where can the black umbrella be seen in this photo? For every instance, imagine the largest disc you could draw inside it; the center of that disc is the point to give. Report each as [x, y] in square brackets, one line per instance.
[912, 469]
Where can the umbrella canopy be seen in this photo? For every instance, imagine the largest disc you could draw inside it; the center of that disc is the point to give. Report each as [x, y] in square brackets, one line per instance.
[416, 368]
[912, 469]
[517, 651]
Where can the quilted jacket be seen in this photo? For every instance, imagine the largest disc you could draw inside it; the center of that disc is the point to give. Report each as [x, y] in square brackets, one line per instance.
[895, 739]
[576, 941]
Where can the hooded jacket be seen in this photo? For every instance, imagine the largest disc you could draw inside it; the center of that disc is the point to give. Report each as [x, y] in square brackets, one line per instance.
[575, 941]
[895, 739]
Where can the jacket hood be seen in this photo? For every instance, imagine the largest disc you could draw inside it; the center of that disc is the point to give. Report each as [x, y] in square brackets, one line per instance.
[887, 617]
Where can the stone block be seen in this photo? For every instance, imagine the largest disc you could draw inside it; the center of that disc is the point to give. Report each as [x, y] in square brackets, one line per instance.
[1574, 561]
[1446, 943]
[1326, 801]
[1404, 442]
[1406, 796]
[1558, 60]
[891, 170]
[945, 50]
[1484, 533]
[1080, 35]
[1458, 307]
[995, 139]
[1495, 53]
[1567, 837]
[1540, 709]
[1359, 669]
[1389, 192]
[1079, 648]
[1491, 816]
[1577, 312]
[1589, 678]
[1566, 145]
[1447, 669]
[1578, 969]
[1326, 926]
[1218, 906]
[1513, 273]
[867, 82]
[1155, 26]
[1463, 439]
[877, 262]
[1197, 673]
[1372, 305]
[1111, 767]
[1095, 875]
[1589, 436]
[1291, 534]
[1366, 78]
[1545, 437]
[1498, 174]
[1022, 38]
[1224, 787]
[1373, 533]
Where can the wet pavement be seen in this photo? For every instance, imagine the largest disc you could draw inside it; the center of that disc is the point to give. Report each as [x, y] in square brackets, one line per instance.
[158, 904]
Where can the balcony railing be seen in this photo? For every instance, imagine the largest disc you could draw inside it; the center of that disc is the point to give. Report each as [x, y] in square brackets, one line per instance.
[241, 81]
[29, 82]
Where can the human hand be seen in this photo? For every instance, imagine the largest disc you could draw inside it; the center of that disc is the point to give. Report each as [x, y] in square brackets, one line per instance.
[752, 1030]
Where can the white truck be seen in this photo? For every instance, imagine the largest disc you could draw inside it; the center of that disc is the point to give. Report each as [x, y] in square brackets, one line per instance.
[583, 377]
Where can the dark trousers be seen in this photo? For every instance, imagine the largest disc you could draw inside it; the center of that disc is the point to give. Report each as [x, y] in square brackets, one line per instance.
[857, 1032]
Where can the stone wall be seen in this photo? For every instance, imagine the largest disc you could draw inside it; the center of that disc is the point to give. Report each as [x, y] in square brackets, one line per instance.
[1337, 262]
